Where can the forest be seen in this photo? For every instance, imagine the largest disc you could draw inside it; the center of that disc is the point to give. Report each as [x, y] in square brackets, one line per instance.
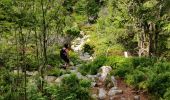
[118, 49]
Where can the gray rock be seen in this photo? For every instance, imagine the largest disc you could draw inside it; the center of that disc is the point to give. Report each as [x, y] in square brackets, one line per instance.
[50, 79]
[93, 84]
[94, 96]
[105, 70]
[79, 75]
[32, 73]
[114, 91]
[102, 94]
[58, 80]
[73, 71]
[114, 81]
[92, 77]
[122, 98]
[137, 97]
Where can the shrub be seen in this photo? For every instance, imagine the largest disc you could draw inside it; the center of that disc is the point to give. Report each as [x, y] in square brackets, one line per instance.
[88, 48]
[73, 89]
[56, 72]
[122, 70]
[159, 84]
[73, 31]
[135, 78]
[161, 67]
[54, 59]
[93, 67]
[167, 94]
[74, 58]
[33, 93]
[143, 61]
[85, 83]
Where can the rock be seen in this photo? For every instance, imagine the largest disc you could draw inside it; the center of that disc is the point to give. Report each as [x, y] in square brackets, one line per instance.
[32, 73]
[105, 71]
[114, 81]
[111, 98]
[79, 75]
[58, 80]
[122, 98]
[16, 71]
[94, 96]
[99, 84]
[93, 84]
[102, 94]
[92, 77]
[50, 79]
[114, 91]
[73, 71]
[137, 97]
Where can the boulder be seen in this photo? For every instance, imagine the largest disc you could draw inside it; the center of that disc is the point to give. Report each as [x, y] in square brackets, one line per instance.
[94, 96]
[58, 80]
[93, 84]
[114, 81]
[50, 79]
[79, 75]
[32, 73]
[114, 91]
[102, 94]
[105, 70]
[92, 77]
[137, 97]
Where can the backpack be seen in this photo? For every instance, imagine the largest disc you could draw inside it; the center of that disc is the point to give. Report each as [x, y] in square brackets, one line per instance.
[63, 53]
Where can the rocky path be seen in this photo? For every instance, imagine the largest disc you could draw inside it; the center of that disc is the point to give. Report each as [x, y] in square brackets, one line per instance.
[116, 89]
[103, 85]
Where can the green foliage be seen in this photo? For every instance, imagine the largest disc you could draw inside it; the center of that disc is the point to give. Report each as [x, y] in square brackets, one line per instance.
[33, 92]
[167, 94]
[85, 83]
[72, 89]
[54, 60]
[135, 78]
[159, 84]
[149, 74]
[143, 61]
[73, 31]
[93, 67]
[74, 58]
[55, 72]
[88, 48]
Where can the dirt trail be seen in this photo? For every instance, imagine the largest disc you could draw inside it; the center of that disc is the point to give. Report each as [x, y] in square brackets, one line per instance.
[128, 92]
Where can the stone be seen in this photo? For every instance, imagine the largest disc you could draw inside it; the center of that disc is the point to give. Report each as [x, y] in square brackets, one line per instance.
[32, 73]
[114, 91]
[79, 75]
[114, 81]
[16, 71]
[50, 79]
[137, 97]
[105, 70]
[94, 96]
[73, 71]
[102, 94]
[122, 98]
[92, 77]
[58, 80]
[93, 84]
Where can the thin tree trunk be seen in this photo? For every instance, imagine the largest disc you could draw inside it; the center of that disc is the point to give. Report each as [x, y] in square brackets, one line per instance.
[36, 43]
[23, 61]
[44, 44]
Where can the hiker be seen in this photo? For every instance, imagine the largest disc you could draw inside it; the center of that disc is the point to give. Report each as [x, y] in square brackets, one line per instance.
[64, 55]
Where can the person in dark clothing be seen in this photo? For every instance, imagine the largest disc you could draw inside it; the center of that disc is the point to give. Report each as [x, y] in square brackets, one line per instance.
[64, 55]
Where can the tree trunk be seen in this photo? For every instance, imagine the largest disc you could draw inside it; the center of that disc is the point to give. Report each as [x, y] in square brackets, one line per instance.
[44, 44]
[23, 61]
